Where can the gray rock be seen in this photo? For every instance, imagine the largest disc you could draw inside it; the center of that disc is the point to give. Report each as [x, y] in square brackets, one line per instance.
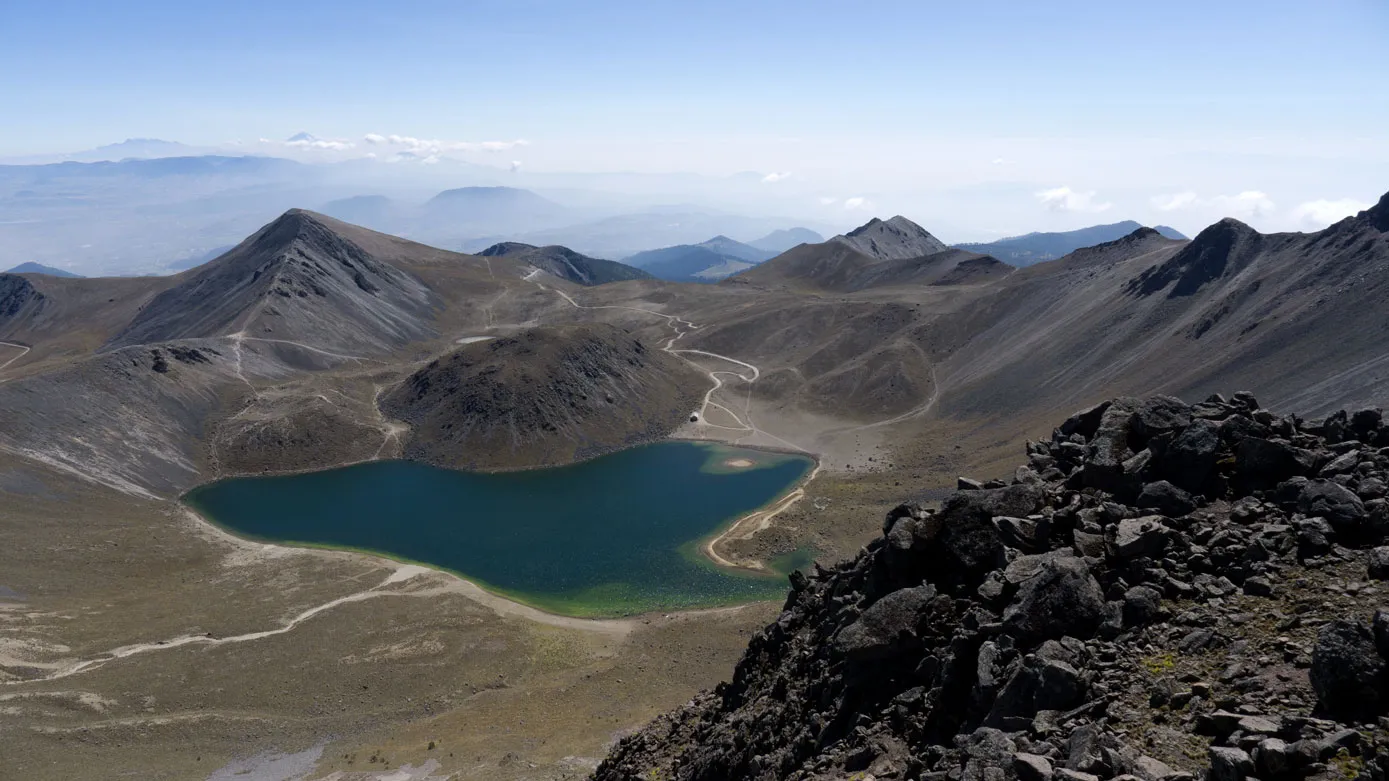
[1258, 586]
[1109, 447]
[1038, 684]
[1032, 767]
[1190, 458]
[960, 544]
[1341, 464]
[1091, 546]
[1146, 536]
[1347, 670]
[1085, 422]
[1379, 563]
[1230, 764]
[1262, 463]
[1334, 502]
[1150, 769]
[1026, 534]
[1067, 774]
[1366, 423]
[1141, 605]
[1371, 488]
[884, 624]
[1061, 598]
[1165, 498]
[1380, 628]
[1271, 758]
[1227, 722]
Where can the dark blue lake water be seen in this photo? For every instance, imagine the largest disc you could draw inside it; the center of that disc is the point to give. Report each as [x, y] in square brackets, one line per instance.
[618, 534]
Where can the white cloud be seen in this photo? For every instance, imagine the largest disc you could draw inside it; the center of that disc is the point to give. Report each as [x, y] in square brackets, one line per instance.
[308, 141]
[1001, 161]
[1064, 199]
[858, 203]
[775, 177]
[329, 144]
[1167, 203]
[432, 146]
[515, 166]
[1322, 212]
[1248, 204]
[827, 200]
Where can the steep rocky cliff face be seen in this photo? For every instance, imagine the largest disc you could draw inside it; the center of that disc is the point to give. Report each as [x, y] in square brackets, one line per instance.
[1164, 591]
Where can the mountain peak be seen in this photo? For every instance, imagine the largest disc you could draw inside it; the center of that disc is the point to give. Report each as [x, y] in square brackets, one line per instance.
[1378, 215]
[1215, 251]
[895, 239]
[503, 248]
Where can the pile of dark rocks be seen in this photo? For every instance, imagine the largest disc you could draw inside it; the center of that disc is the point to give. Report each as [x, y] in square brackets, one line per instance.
[1165, 591]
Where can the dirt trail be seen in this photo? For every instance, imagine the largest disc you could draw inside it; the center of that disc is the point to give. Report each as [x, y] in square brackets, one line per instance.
[752, 523]
[448, 584]
[23, 351]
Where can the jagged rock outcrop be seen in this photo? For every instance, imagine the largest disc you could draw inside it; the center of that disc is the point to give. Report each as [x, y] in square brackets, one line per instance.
[1164, 591]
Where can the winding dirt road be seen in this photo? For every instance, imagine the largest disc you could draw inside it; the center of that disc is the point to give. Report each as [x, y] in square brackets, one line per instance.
[23, 352]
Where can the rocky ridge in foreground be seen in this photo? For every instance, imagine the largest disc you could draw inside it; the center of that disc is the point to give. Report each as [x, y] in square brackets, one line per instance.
[1166, 591]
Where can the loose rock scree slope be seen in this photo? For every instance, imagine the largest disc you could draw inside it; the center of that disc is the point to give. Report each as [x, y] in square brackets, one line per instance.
[1157, 594]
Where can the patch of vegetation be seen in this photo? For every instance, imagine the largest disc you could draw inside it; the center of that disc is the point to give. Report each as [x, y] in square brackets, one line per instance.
[1346, 767]
[1159, 663]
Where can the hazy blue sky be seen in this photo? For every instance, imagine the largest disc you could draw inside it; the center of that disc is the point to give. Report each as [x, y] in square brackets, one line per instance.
[1067, 111]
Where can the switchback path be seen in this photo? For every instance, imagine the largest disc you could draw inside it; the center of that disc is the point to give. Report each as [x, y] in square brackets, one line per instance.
[23, 352]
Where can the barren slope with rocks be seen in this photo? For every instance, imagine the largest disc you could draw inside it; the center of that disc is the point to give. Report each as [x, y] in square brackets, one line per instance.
[1163, 591]
[545, 396]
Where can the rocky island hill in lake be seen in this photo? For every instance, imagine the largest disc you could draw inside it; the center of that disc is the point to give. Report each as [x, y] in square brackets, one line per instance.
[1164, 591]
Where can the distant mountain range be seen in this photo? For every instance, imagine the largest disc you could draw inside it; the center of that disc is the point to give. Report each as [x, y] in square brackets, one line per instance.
[1037, 247]
[566, 263]
[39, 268]
[779, 241]
[719, 257]
[708, 261]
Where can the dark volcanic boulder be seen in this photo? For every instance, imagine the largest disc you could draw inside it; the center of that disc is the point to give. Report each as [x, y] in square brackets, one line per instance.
[884, 624]
[1110, 447]
[1189, 459]
[1166, 498]
[1263, 463]
[1334, 502]
[961, 544]
[1038, 684]
[1348, 674]
[1061, 598]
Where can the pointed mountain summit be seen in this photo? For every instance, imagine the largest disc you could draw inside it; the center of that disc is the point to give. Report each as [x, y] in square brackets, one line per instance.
[298, 279]
[896, 239]
[1220, 249]
[38, 268]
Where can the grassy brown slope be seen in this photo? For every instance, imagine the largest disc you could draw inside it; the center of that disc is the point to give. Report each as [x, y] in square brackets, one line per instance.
[545, 396]
[63, 318]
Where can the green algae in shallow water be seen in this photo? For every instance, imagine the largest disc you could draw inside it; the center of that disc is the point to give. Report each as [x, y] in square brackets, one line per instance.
[615, 535]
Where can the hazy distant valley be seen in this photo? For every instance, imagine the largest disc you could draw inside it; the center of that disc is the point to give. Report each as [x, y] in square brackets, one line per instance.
[815, 378]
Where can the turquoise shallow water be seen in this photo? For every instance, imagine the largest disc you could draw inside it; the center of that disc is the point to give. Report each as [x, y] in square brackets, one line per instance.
[618, 534]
